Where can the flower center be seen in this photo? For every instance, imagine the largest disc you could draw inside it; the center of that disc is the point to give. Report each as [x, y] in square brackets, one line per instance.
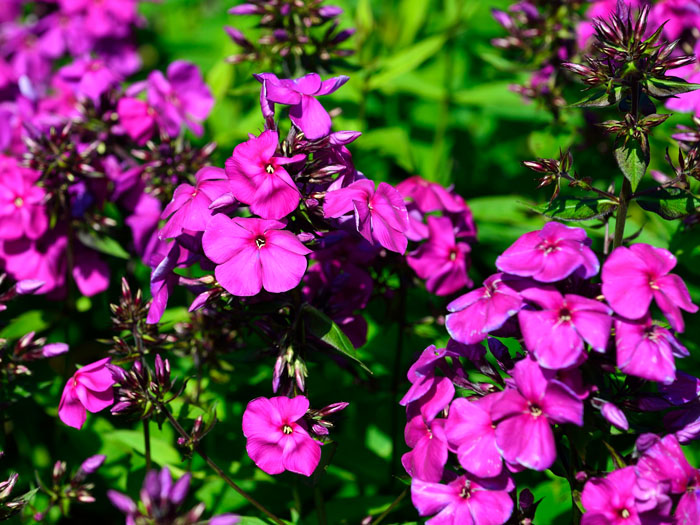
[548, 247]
[565, 315]
[270, 169]
[260, 241]
[19, 202]
[535, 410]
[194, 193]
[624, 514]
[466, 492]
[653, 285]
[286, 429]
[453, 255]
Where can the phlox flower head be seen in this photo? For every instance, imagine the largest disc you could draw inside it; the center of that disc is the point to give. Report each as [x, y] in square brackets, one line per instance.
[380, 215]
[277, 437]
[189, 209]
[258, 177]
[633, 276]
[429, 196]
[611, 500]
[523, 416]
[90, 389]
[550, 254]
[137, 118]
[22, 212]
[426, 460]
[300, 94]
[104, 18]
[465, 500]
[89, 77]
[252, 254]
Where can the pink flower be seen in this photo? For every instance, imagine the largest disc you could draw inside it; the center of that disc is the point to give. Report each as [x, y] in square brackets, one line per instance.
[189, 209]
[442, 261]
[633, 276]
[678, 15]
[429, 196]
[523, 416]
[646, 350]
[252, 254]
[470, 433]
[258, 178]
[103, 18]
[300, 94]
[610, 500]
[464, 501]
[483, 310]
[277, 439]
[427, 439]
[380, 216]
[137, 118]
[550, 254]
[90, 389]
[429, 393]
[556, 333]
[22, 212]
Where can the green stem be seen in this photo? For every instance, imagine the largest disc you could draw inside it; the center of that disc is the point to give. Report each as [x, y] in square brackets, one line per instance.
[626, 191]
[147, 443]
[391, 507]
[320, 506]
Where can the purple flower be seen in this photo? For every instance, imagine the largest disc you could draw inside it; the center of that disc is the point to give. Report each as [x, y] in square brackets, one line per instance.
[483, 310]
[427, 439]
[471, 435]
[89, 77]
[555, 334]
[90, 389]
[646, 350]
[300, 94]
[259, 179]
[524, 415]
[550, 254]
[442, 261]
[189, 209]
[615, 416]
[252, 254]
[105, 17]
[380, 216]
[429, 394]
[22, 211]
[464, 501]
[277, 438]
[137, 118]
[677, 15]
[181, 97]
[633, 276]
[429, 196]
[611, 500]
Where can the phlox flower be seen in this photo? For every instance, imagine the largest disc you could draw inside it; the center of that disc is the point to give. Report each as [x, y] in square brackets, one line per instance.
[465, 500]
[277, 437]
[429, 394]
[555, 334]
[89, 77]
[633, 276]
[103, 18]
[380, 215]
[475, 314]
[442, 261]
[252, 254]
[90, 389]
[189, 208]
[426, 460]
[646, 350]
[550, 254]
[258, 178]
[22, 212]
[300, 94]
[678, 16]
[523, 416]
[429, 196]
[611, 500]
[137, 118]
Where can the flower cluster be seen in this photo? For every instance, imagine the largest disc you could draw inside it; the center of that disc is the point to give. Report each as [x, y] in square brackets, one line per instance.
[574, 333]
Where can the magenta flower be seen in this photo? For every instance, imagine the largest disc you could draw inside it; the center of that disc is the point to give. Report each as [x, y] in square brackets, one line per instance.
[483, 310]
[524, 415]
[464, 501]
[380, 216]
[442, 261]
[258, 178]
[550, 254]
[189, 209]
[427, 459]
[300, 94]
[633, 276]
[90, 389]
[89, 77]
[677, 15]
[181, 97]
[429, 393]
[611, 500]
[277, 437]
[103, 18]
[555, 334]
[137, 118]
[471, 435]
[646, 350]
[22, 212]
[252, 254]
[429, 196]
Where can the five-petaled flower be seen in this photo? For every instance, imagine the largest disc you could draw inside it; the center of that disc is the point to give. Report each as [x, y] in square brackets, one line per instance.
[90, 389]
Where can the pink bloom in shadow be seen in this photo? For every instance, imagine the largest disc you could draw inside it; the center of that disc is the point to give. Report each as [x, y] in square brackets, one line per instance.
[90, 389]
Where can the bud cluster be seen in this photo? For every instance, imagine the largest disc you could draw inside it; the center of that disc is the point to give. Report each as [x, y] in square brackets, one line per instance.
[142, 391]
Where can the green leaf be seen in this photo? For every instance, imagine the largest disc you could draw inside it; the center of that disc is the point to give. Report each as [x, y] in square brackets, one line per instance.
[670, 204]
[407, 60]
[574, 209]
[323, 327]
[669, 86]
[105, 245]
[600, 99]
[32, 321]
[632, 161]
